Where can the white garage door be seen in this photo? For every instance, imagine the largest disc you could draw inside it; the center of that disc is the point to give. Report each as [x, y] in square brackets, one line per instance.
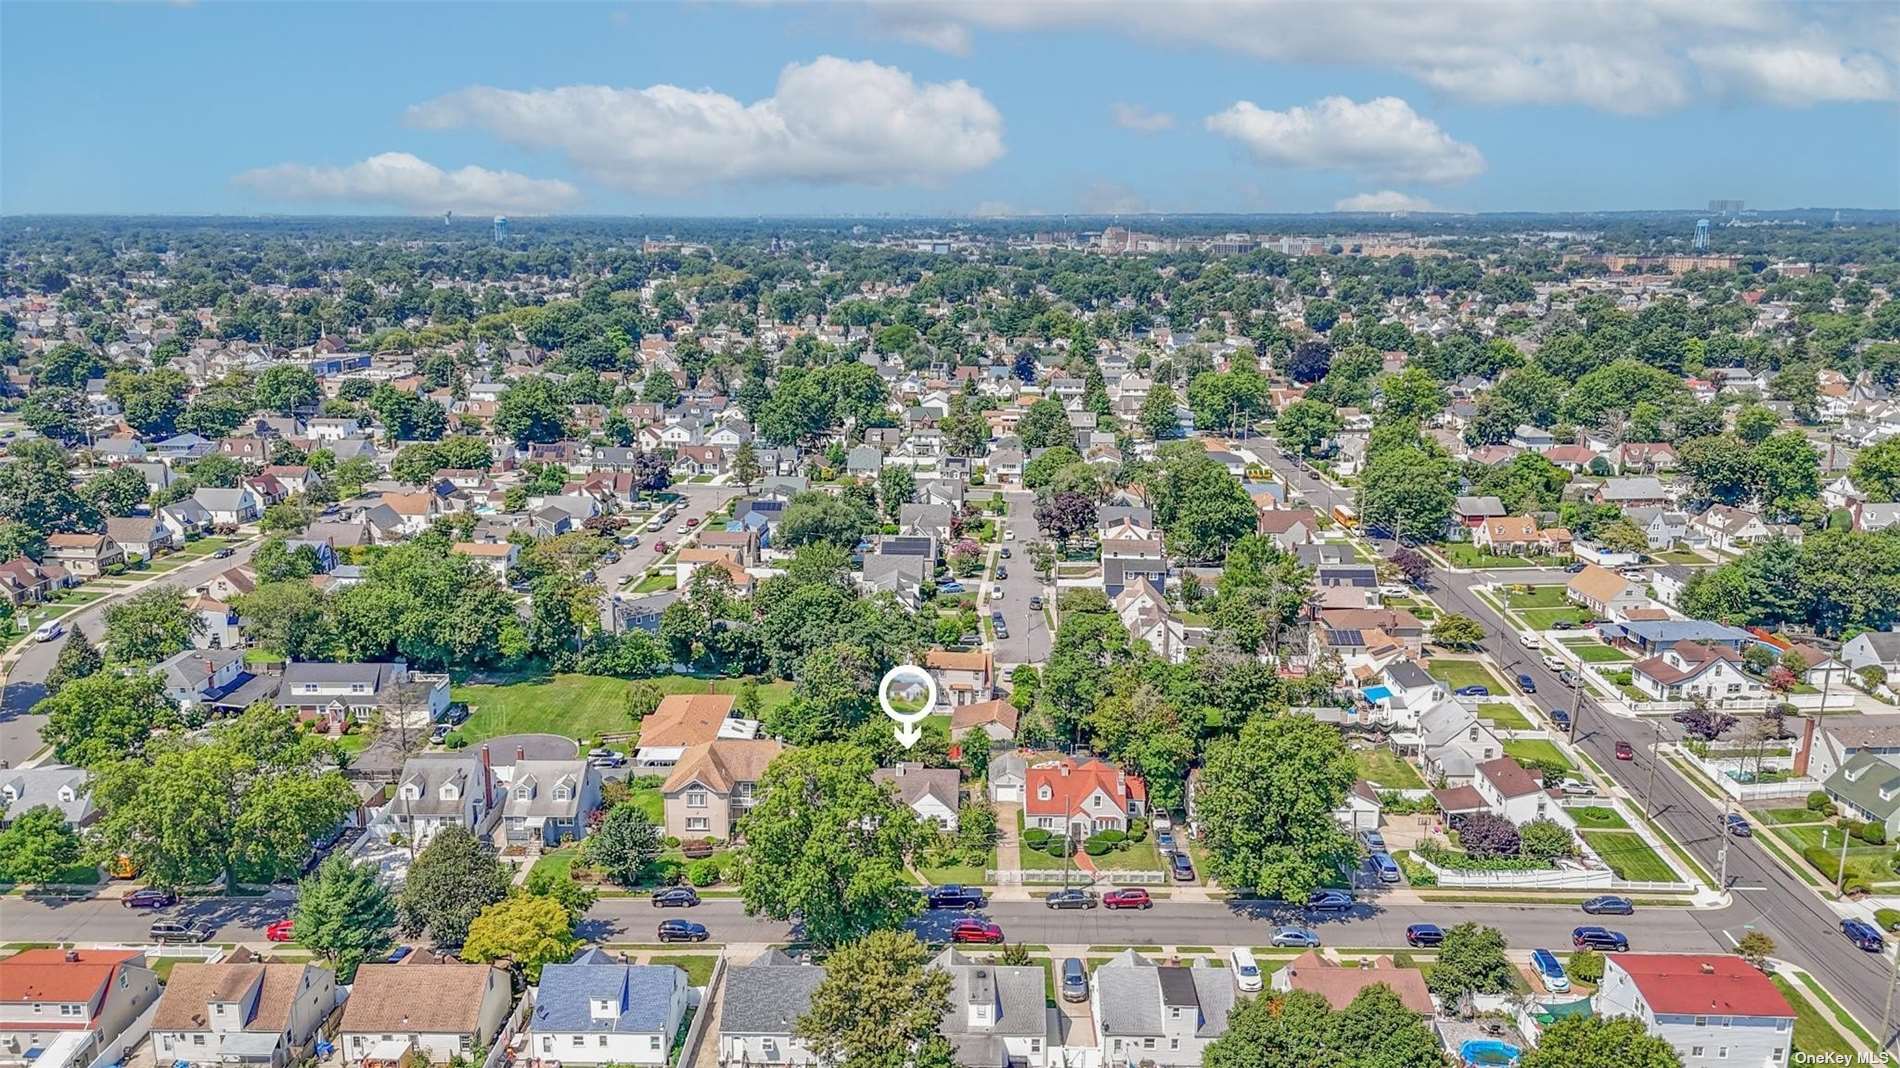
[1009, 794]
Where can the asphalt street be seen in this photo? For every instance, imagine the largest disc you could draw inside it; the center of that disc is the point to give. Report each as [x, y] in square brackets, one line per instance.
[1197, 923]
[1766, 897]
[1029, 637]
[26, 679]
[701, 500]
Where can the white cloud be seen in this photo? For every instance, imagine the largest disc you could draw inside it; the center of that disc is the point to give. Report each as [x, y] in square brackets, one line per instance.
[1793, 75]
[400, 180]
[830, 120]
[1382, 137]
[1627, 56]
[1382, 201]
[1140, 119]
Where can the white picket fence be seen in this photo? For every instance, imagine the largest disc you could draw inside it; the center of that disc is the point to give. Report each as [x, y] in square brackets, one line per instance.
[1078, 877]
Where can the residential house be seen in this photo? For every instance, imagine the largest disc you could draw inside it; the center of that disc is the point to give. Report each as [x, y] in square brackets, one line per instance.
[331, 695]
[1403, 693]
[24, 582]
[83, 555]
[1639, 492]
[1867, 788]
[1514, 793]
[1147, 616]
[440, 790]
[61, 1008]
[759, 1008]
[185, 519]
[496, 557]
[1467, 513]
[600, 1010]
[1665, 527]
[1654, 637]
[433, 1011]
[201, 676]
[1669, 581]
[934, 794]
[995, 720]
[711, 787]
[741, 545]
[962, 678]
[998, 1015]
[1340, 984]
[1288, 528]
[685, 720]
[547, 802]
[1158, 1016]
[56, 786]
[242, 1012]
[1604, 592]
[229, 507]
[1401, 626]
[140, 536]
[1519, 535]
[1645, 457]
[1875, 649]
[1081, 796]
[1731, 529]
[1453, 741]
[1125, 560]
[691, 559]
[1717, 1010]
[1692, 670]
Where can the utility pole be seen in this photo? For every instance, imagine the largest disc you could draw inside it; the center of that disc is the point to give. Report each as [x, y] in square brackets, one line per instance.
[1840, 872]
[1721, 855]
[1886, 1012]
[1655, 754]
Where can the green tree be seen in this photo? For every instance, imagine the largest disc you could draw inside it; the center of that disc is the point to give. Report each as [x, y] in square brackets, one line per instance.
[1267, 796]
[117, 492]
[1755, 947]
[288, 617]
[249, 800]
[103, 716]
[1454, 631]
[815, 516]
[284, 388]
[1411, 394]
[830, 698]
[826, 844]
[344, 914]
[879, 1005]
[152, 402]
[1158, 417]
[1876, 469]
[1754, 422]
[624, 845]
[1303, 426]
[532, 411]
[149, 626]
[525, 928]
[1600, 1042]
[78, 659]
[1045, 425]
[37, 492]
[1299, 1028]
[745, 465]
[896, 487]
[37, 847]
[1471, 961]
[1407, 491]
[451, 882]
[1198, 503]
[1789, 469]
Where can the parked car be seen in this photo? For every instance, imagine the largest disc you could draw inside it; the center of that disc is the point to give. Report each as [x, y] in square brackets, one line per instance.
[661, 547]
[150, 897]
[456, 715]
[675, 897]
[1035, 603]
[1550, 970]
[48, 630]
[1474, 690]
[1387, 869]
[1599, 938]
[1576, 788]
[1738, 825]
[1864, 935]
[279, 931]
[1181, 866]
[1373, 841]
[1075, 980]
[996, 593]
[1005, 552]
[398, 955]
[440, 733]
[1001, 572]
[1329, 901]
[1624, 751]
[1071, 899]
[1165, 840]
[1424, 934]
[952, 896]
[1295, 938]
[1526, 683]
[1529, 640]
[1560, 717]
[693, 521]
[631, 541]
[169, 931]
[606, 758]
[1609, 905]
[610, 557]
[1132, 898]
[952, 586]
[681, 931]
[982, 932]
[223, 553]
[1576, 567]
[1551, 661]
[1009, 533]
[996, 623]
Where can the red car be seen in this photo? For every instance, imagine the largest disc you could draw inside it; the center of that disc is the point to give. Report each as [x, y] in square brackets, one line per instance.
[1624, 752]
[659, 547]
[278, 932]
[693, 522]
[981, 931]
[1127, 899]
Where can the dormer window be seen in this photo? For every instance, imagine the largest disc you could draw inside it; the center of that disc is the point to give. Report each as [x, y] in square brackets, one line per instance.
[1043, 793]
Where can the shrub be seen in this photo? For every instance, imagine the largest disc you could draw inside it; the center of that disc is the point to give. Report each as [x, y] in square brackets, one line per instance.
[1097, 846]
[1818, 801]
[1887, 919]
[1857, 886]
[703, 872]
[1871, 833]
[1114, 838]
[1547, 840]
[1036, 838]
[1487, 834]
[672, 842]
[697, 848]
[455, 740]
[1586, 966]
[1137, 830]
[1825, 861]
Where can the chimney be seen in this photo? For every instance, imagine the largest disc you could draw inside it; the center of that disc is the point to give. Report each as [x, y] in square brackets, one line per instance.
[72, 956]
[1708, 967]
[488, 779]
[521, 753]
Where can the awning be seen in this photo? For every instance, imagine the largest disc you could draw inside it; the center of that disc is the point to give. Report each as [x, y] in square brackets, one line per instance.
[1376, 694]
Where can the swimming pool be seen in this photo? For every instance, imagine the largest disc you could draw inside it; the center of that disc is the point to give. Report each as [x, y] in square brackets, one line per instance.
[1487, 1053]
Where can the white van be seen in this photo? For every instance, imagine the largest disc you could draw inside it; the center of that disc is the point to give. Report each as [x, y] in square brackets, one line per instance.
[1552, 661]
[1246, 969]
[1529, 640]
[48, 630]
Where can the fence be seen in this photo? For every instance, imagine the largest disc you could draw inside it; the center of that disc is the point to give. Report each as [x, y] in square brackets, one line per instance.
[1717, 773]
[498, 1052]
[1077, 876]
[114, 1051]
[702, 1019]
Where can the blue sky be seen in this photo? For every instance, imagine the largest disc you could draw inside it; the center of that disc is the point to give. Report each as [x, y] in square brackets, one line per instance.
[861, 106]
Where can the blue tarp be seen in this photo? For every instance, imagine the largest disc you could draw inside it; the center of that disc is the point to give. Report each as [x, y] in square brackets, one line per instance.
[1377, 693]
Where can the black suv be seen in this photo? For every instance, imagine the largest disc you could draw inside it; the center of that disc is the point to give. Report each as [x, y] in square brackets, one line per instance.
[1071, 899]
[954, 897]
[1600, 938]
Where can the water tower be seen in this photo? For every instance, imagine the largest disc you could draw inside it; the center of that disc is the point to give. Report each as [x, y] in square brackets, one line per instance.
[1702, 235]
[501, 229]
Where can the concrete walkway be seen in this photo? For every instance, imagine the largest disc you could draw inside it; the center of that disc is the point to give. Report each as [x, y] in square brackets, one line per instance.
[1009, 844]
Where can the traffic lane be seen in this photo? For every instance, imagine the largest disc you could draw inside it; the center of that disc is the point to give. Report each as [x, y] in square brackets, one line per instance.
[1369, 924]
[1029, 639]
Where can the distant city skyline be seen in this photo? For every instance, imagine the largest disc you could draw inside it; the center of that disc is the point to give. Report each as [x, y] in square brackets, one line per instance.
[923, 108]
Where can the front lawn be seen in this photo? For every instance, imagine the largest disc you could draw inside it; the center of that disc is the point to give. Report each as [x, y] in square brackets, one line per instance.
[666, 580]
[1816, 1040]
[1591, 651]
[697, 966]
[1537, 597]
[1681, 556]
[1789, 815]
[964, 874]
[1630, 857]
[1386, 769]
[1504, 716]
[1461, 673]
[1548, 618]
[1599, 817]
[577, 706]
[1464, 554]
[1539, 750]
[1139, 856]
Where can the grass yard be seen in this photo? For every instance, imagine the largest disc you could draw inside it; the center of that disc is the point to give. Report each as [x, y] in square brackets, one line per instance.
[1787, 816]
[1461, 673]
[666, 580]
[1548, 618]
[697, 966]
[577, 706]
[1869, 863]
[1598, 817]
[1425, 610]
[560, 862]
[1537, 597]
[1629, 856]
[966, 874]
[1139, 856]
[1504, 716]
[1538, 749]
[1382, 767]
[1681, 556]
[1591, 651]
[1815, 1039]
[1466, 555]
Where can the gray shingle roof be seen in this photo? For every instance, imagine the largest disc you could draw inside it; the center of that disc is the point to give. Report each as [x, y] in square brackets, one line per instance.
[767, 997]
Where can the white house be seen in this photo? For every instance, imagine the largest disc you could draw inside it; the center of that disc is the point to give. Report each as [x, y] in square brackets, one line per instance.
[440, 791]
[59, 1008]
[1689, 670]
[1716, 1010]
[246, 1013]
[1163, 1016]
[599, 1010]
[932, 793]
[758, 1007]
[434, 1011]
[1515, 794]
